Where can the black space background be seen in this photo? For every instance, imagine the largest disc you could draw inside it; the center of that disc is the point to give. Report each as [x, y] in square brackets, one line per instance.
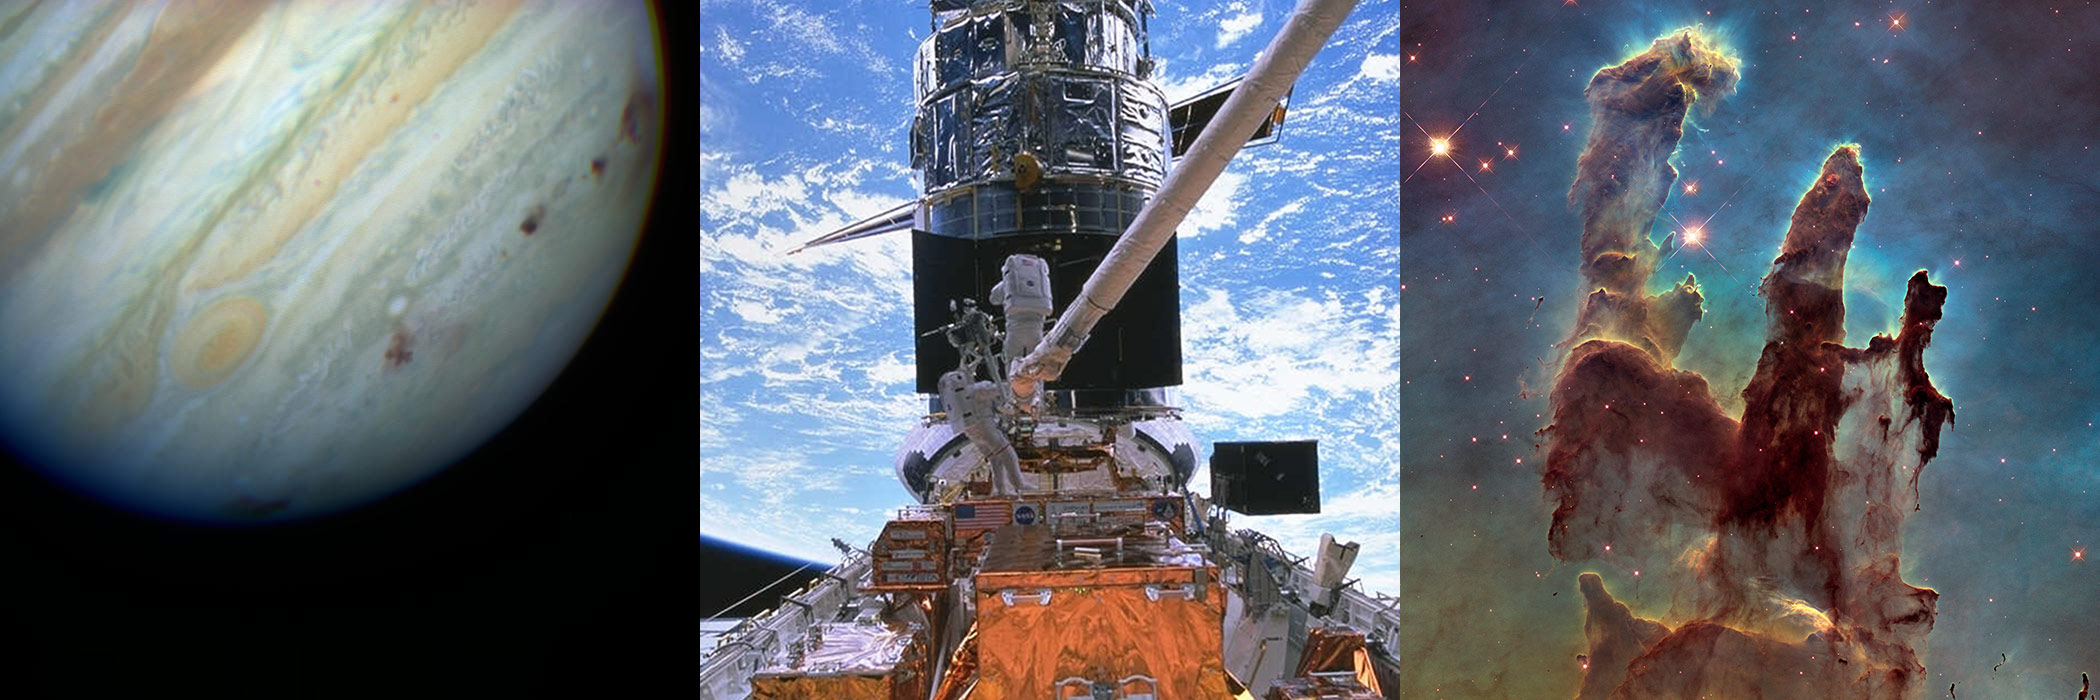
[556, 561]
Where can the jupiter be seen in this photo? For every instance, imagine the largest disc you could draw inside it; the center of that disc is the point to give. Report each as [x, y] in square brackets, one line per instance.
[271, 261]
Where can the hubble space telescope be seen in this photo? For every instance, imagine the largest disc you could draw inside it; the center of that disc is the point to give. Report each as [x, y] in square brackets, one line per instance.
[1056, 550]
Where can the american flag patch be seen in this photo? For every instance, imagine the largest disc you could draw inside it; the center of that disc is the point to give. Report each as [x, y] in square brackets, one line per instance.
[983, 516]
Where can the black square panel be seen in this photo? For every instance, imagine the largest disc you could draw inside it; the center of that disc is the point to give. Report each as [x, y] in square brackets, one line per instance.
[1266, 478]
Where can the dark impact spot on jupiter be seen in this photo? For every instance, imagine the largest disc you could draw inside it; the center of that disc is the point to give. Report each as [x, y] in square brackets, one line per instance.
[532, 220]
[397, 349]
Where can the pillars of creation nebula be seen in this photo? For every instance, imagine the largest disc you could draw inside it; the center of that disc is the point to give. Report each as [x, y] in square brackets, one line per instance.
[1776, 536]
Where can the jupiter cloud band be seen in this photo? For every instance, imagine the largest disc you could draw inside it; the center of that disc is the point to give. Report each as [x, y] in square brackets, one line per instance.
[270, 253]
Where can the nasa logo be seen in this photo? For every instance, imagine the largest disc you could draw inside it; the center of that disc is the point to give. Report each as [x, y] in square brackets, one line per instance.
[1024, 514]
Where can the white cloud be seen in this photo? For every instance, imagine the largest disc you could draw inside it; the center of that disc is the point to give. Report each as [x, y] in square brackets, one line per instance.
[731, 50]
[892, 370]
[745, 208]
[1237, 25]
[1288, 344]
[754, 312]
[1218, 208]
[779, 71]
[1261, 230]
[777, 476]
[808, 31]
[1181, 87]
[746, 194]
[1382, 68]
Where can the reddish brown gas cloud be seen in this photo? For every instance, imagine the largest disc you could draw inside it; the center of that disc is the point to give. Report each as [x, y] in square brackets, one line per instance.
[1637, 113]
[1777, 535]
